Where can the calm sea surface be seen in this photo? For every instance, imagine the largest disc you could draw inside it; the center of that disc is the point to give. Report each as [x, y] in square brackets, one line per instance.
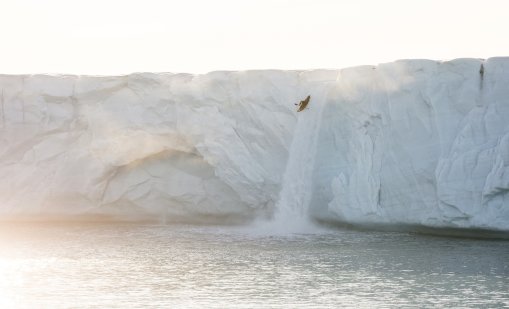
[162, 266]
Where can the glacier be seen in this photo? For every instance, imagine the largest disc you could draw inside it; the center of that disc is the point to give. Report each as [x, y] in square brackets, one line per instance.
[412, 142]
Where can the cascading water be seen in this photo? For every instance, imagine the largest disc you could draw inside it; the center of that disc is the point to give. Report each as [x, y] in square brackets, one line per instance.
[295, 195]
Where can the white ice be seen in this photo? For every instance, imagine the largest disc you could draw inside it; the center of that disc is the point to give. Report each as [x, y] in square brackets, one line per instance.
[413, 142]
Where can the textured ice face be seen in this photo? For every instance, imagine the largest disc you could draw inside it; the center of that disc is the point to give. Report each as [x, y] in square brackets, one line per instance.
[410, 142]
[417, 142]
[155, 145]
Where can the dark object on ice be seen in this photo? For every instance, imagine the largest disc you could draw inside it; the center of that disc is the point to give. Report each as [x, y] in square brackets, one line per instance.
[302, 105]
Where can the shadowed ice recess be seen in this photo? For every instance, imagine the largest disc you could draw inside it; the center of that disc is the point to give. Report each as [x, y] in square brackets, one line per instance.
[411, 143]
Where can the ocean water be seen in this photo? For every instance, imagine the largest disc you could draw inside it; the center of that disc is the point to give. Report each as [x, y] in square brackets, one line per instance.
[179, 266]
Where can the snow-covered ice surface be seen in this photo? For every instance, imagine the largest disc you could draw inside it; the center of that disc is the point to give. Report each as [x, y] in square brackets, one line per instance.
[413, 142]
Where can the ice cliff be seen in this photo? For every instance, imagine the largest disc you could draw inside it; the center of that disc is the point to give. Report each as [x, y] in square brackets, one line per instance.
[414, 142]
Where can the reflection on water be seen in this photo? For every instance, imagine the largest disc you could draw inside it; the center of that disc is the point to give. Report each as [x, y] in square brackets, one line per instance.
[126, 266]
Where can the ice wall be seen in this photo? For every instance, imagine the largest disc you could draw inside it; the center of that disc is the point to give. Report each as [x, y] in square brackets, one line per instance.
[417, 142]
[410, 142]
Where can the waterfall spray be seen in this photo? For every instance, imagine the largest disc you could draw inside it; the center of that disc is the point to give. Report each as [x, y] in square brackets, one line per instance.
[294, 198]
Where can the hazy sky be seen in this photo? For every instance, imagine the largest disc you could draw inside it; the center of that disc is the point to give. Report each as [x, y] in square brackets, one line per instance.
[197, 36]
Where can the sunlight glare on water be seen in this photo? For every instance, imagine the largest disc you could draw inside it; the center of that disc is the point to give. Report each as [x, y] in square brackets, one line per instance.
[135, 266]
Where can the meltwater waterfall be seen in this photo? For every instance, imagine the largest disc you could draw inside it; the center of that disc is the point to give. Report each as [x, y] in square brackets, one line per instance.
[295, 195]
